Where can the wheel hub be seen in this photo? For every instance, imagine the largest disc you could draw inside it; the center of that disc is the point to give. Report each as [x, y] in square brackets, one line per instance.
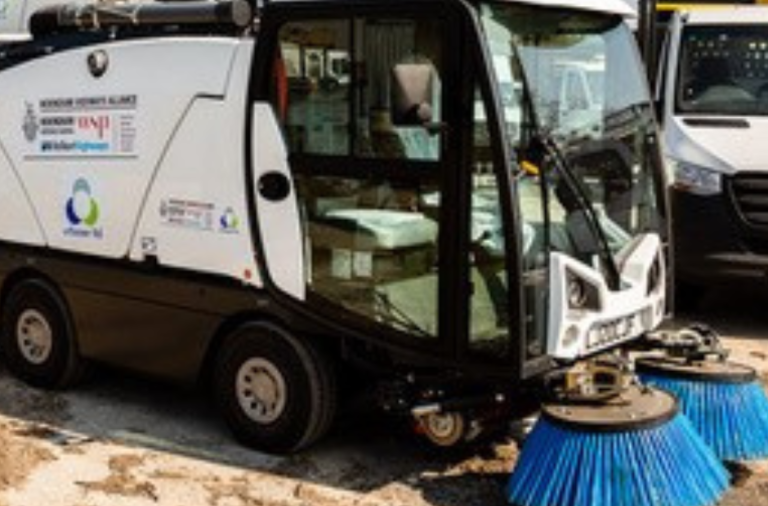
[444, 429]
[34, 336]
[261, 390]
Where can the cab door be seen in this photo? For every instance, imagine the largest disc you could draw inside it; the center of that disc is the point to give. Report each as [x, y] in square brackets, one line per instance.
[376, 190]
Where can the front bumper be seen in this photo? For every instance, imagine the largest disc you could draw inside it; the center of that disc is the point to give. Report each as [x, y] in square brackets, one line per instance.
[720, 236]
[607, 318]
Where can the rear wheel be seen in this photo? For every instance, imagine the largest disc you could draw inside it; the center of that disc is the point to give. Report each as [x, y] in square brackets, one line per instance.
[277, 393]
[37, 337]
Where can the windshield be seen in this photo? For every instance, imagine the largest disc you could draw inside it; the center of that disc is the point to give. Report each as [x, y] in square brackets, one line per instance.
[584, 83]
[724, 70]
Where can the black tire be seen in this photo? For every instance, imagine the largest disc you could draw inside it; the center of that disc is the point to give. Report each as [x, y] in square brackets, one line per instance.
[34, 309]
[262, 354]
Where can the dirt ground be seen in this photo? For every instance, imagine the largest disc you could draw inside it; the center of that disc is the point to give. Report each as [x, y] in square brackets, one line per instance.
[121, 441]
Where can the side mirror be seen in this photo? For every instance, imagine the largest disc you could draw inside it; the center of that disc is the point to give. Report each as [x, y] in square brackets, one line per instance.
[412, 88]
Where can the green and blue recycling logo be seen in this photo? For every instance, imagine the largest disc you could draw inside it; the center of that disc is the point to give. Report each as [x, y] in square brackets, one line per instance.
[229, 222]
[83, 212]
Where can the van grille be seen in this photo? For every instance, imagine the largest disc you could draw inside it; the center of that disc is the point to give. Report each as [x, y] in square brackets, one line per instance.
[750, 198]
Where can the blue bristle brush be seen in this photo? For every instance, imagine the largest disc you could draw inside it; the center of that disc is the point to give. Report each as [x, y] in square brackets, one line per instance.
[724, 401]
[636, 450]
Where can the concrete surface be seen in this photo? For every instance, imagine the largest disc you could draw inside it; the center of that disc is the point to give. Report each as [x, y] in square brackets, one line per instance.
[122, 441]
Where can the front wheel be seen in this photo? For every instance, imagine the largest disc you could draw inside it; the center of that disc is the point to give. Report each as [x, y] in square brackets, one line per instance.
[276, 392]
[37, 337]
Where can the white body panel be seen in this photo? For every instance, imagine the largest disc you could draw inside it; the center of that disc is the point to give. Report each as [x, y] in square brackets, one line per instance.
[105, 131]
[718, 148]
[195, 216]
[18, 221]
[145, 162]
[279, 223]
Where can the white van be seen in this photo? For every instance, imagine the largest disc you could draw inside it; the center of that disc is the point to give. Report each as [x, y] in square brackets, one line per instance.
[712, 94]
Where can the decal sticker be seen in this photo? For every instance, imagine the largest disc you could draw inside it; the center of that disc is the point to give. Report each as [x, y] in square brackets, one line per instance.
[82, 212]
[4, 6]
[229, 222]
[187, 214]
[149, 245]
[90, 127]
[30, 125]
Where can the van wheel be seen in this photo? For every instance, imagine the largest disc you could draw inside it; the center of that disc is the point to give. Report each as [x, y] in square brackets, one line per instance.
[277, 393]
[37, 337]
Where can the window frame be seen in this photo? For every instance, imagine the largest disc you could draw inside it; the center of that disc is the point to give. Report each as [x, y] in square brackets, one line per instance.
[391, 169]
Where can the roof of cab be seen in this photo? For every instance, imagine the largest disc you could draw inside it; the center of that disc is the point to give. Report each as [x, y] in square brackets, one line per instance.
[725, 15]
[620, 7]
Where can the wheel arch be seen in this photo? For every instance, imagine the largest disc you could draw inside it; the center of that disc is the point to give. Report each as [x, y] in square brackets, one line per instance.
[63, 370]
[24, 274]
[239, 320]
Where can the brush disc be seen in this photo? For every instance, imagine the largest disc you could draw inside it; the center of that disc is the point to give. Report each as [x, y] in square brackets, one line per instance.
[634, 409]
[705, 370]
[635, 450]
[724, 401]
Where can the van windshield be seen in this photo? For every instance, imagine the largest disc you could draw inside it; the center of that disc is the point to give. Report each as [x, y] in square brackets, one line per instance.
[724, 70]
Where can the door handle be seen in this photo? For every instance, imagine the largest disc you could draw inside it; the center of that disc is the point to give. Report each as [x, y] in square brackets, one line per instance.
[274, 186]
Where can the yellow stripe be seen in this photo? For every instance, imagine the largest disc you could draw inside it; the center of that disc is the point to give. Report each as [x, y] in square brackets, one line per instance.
[669, 7]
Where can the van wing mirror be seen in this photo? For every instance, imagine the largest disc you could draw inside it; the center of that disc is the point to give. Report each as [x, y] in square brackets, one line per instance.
[412, 89]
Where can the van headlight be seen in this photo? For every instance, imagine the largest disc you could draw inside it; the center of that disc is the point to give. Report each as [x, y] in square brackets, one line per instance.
[694, 178]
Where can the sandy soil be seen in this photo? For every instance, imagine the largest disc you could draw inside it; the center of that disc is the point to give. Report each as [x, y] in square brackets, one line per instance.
[121, 441]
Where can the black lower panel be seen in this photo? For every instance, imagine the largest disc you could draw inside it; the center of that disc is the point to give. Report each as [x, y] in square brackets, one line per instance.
[155, 339]
[148, 319]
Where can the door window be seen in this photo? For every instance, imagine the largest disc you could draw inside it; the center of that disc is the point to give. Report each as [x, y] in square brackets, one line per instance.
[312, 88]
[528, 191]
[489, 303]
[367, 175]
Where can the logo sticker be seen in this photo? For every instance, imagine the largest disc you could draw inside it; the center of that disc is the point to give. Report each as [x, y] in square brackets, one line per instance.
[229, 222]
[188, 214]
[82, 212]
[31, 125]
[149, 245]
[103, 126]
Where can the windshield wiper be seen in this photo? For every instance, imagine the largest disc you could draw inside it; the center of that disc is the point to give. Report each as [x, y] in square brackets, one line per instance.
[540, 143]
[561, 162]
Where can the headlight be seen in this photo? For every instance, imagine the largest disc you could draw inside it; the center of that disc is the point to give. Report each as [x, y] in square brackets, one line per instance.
[580, 294]
[694, 179]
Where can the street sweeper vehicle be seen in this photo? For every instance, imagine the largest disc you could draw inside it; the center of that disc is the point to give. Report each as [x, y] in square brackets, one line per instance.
[174, 204]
